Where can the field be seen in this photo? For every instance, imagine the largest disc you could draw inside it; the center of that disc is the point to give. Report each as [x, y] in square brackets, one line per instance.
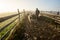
[43, 28]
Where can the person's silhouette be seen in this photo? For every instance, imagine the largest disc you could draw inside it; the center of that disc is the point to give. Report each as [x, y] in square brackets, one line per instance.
[37, 12]
[57, 13]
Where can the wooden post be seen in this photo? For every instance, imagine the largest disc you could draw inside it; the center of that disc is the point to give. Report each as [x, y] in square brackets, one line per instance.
[18, 15]
[24, 11]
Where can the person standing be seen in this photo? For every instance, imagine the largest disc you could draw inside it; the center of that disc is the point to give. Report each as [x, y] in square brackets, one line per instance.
[57, 13]
[37, 13]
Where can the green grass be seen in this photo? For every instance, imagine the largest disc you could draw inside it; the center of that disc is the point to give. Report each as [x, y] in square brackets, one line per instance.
[8, 27]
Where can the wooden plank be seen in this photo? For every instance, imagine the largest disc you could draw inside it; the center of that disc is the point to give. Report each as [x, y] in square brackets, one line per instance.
[54, 17]
[7, 25]
[7, 33]
[7, 17]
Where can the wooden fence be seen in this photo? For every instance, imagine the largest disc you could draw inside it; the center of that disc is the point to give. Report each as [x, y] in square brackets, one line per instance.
[7, 25]
[56, 18]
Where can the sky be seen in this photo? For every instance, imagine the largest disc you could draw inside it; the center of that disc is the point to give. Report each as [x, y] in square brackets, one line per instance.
[13, 5]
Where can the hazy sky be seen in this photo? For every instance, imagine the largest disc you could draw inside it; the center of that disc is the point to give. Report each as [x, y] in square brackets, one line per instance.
[12, 5]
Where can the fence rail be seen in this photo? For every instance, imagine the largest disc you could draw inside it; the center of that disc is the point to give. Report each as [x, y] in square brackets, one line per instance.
[7, 25]
[6, 18]
[56, 18]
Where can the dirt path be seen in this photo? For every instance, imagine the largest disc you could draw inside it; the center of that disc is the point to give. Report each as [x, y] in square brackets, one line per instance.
[40, 29]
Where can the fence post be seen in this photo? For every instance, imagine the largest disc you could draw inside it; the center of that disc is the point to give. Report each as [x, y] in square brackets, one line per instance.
[18, 15]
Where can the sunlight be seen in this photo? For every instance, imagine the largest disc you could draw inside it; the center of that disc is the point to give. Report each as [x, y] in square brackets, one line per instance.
[10, 6]
[13, 5]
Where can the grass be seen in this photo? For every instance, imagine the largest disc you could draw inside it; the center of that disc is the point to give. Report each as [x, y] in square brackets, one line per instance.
[8, 27]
